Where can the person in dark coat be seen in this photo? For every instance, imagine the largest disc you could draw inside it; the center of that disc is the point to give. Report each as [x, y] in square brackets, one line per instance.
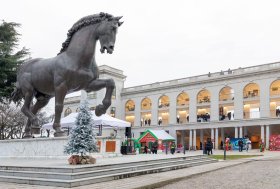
[172, 148]
[145, 149]
[155, 147]
[240, 145]
[209, 146]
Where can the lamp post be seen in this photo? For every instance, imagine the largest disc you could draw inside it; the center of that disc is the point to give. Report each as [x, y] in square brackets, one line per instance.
[225, 152]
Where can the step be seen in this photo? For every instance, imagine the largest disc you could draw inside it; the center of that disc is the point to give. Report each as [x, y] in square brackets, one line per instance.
[82, 168]
[91, 173]
[101, 178]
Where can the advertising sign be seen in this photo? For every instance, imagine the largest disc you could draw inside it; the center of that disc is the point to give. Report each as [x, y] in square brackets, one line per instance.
[234, 143]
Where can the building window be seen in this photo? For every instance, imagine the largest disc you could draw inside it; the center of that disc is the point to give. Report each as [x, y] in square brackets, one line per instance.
[92, 95]
[113, 111]
[129, 106]
[67, 112]
[114, 94]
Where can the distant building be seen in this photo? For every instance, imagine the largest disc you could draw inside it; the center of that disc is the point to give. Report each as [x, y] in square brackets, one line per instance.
[240, 102]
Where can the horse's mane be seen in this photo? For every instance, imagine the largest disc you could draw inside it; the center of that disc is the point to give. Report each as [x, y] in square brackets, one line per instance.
[83, 22]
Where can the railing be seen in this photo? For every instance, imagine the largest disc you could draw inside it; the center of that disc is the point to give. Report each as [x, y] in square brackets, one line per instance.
[72, 99]
[251, 115]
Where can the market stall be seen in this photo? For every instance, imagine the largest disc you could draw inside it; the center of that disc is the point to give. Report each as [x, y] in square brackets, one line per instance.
[150, 136]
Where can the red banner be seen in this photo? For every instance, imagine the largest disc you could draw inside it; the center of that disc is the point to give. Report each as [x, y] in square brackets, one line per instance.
[274, 143]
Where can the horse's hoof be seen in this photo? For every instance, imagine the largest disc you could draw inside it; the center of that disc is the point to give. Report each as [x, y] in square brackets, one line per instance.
[99, 110]
[60, 134]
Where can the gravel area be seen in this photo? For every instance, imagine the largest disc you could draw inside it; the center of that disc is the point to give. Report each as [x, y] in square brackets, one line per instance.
[258, 174]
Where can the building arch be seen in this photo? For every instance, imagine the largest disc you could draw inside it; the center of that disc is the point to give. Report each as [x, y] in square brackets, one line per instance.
[182, 102]
[129, 106]
[129, 111]
[274, 96]
[203, 105]
[146, 104]
[67, 112]
[251, 101]
[163, 110]
[226, 104]
[163, 101]
[146, 111]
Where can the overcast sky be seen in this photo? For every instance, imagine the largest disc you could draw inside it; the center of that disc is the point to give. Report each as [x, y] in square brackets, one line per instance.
[159, 40]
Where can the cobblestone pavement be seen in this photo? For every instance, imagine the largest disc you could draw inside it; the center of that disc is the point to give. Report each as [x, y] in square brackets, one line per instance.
[258, 174]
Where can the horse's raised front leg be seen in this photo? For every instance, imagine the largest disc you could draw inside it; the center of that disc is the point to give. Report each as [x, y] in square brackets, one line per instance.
[98, 84]
[60, 93]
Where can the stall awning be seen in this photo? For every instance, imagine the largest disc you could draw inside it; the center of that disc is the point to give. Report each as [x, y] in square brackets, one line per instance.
[104, 120]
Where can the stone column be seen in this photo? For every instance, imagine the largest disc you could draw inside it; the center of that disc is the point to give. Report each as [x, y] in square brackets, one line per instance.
[217, 139]
[154, 100]
[235, 132]
[212, 134]
[190, 140]
[194, 139]
[137, 112]
[238, 100]
[192, 106]
[172, 108]
[267, 137]
[240, 132]
[262, 133]
[264, 97]
[214, 116]
[201, 136]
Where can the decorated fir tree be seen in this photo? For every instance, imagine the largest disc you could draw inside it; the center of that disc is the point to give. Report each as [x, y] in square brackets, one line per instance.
[82, 139]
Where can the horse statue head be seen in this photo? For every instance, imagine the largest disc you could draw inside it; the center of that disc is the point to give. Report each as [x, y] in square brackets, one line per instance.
[107, 31]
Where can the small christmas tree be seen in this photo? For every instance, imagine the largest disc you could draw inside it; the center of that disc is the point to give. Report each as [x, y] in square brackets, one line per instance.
[82, 139]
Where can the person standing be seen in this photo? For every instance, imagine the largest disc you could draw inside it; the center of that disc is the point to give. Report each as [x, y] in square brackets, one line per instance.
[209, 146]
[145, 149]
[248, 143]
[155, 147]
[172, 148]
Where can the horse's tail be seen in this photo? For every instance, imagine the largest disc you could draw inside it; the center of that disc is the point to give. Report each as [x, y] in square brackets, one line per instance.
[16, 95]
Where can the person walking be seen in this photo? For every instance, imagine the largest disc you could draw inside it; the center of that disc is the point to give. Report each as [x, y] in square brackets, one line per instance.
[248, 143]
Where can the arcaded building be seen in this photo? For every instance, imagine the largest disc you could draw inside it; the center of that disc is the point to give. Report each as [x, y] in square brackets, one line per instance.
[233, 103]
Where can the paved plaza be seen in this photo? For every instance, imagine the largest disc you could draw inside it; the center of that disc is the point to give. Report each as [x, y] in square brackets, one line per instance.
[258, 174]
[254, 172]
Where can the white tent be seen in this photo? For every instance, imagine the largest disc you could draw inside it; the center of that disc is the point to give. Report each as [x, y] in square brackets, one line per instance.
[104, 120]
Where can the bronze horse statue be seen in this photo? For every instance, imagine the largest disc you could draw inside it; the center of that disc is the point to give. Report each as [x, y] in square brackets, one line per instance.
[73, 69]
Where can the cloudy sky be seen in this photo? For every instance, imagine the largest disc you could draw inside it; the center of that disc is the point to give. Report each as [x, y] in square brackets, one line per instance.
[160, 40]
